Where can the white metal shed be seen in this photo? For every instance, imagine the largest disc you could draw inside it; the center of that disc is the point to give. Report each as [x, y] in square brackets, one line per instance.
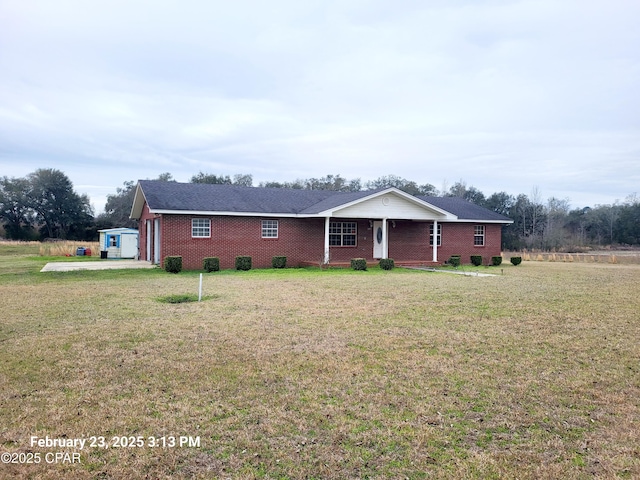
[118, 243]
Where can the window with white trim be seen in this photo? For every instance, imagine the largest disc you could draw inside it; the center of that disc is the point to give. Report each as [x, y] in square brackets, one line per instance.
[438, 236]
[269, 228]
[342, 234]
[478, 235]
[200, 227]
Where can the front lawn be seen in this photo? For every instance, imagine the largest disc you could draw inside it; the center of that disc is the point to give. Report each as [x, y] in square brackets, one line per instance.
[302, 373]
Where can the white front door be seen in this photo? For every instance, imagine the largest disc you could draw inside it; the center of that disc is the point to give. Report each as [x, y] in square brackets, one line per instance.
[378, 240]
[156, 241]
[148, 256]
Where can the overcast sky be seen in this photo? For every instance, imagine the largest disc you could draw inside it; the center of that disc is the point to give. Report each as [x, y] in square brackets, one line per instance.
[504, 95]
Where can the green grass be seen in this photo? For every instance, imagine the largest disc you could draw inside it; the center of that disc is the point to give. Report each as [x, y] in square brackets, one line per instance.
[183, 298]
[309, 373]
[178, 298]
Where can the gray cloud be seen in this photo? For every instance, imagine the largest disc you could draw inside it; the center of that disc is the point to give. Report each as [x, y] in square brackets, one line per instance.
[503, 94]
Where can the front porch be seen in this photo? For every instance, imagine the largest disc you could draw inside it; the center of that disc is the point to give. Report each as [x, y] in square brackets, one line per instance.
[408, 242]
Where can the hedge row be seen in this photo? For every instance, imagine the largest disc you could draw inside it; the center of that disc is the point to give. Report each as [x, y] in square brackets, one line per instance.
[173, 264]
[476, 260]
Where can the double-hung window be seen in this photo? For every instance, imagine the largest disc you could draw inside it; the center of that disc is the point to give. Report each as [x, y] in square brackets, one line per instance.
[269, 228]
[438, 235]
[342, 234]
[478, 235]
[201, 227]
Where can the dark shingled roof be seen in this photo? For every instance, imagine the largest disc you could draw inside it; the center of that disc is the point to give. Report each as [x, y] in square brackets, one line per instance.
[337, 199]
[231, 198]
[228, 198]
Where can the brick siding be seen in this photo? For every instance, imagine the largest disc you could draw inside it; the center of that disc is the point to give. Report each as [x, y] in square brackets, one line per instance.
[410, 241]
[302, 240]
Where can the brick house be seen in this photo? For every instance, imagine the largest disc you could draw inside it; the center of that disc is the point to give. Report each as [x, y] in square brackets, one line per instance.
[309, 227]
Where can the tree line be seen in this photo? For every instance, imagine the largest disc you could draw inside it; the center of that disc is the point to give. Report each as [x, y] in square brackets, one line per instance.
[44, 205]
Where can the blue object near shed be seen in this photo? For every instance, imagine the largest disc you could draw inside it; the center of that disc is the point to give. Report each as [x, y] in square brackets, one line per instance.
[119, 243]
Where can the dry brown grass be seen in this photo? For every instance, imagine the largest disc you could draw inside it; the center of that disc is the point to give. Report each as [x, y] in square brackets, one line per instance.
[67, 248]
[47, 249]
[324, 374]
[627, 257]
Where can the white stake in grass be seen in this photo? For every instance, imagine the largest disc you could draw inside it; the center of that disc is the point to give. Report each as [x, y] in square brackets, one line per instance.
[200, 289]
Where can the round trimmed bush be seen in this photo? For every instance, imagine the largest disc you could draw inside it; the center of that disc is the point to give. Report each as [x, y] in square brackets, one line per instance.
[279, 262]
[359, 264]
[476, 260]
[516, 260]
[496, 261]
[243, 263]
[173, 264]
[211, 264]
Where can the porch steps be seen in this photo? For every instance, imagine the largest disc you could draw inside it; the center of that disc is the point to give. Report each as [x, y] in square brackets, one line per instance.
[417, 263]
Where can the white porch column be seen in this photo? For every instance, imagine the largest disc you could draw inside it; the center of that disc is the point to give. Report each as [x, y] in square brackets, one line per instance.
[435, 240]
[326, 240]
[385, 239]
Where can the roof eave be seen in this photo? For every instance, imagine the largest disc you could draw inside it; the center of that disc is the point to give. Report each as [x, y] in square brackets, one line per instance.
[228, 214]
[138, 203]
[327, 213]
[479, 220]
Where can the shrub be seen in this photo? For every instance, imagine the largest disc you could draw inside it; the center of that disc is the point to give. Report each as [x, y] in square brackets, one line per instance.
[454, 260]
[279, 262]
[516, 260]
[359, 263]
[496, 261]
[243, 263]
[173, 264]
[211, 264]
[476, 260]
[387, 263]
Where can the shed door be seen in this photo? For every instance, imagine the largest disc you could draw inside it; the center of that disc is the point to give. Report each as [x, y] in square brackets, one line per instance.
[128, 245]
[378, 240]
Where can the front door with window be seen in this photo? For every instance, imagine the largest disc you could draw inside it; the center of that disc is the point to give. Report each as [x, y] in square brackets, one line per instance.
[378, 240]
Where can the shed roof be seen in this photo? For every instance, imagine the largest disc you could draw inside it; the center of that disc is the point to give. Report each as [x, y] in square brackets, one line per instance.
[118, 230]
[174, 197]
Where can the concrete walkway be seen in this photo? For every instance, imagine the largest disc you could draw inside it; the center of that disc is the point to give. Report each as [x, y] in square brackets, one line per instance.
[98, 265]
[457, 272]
